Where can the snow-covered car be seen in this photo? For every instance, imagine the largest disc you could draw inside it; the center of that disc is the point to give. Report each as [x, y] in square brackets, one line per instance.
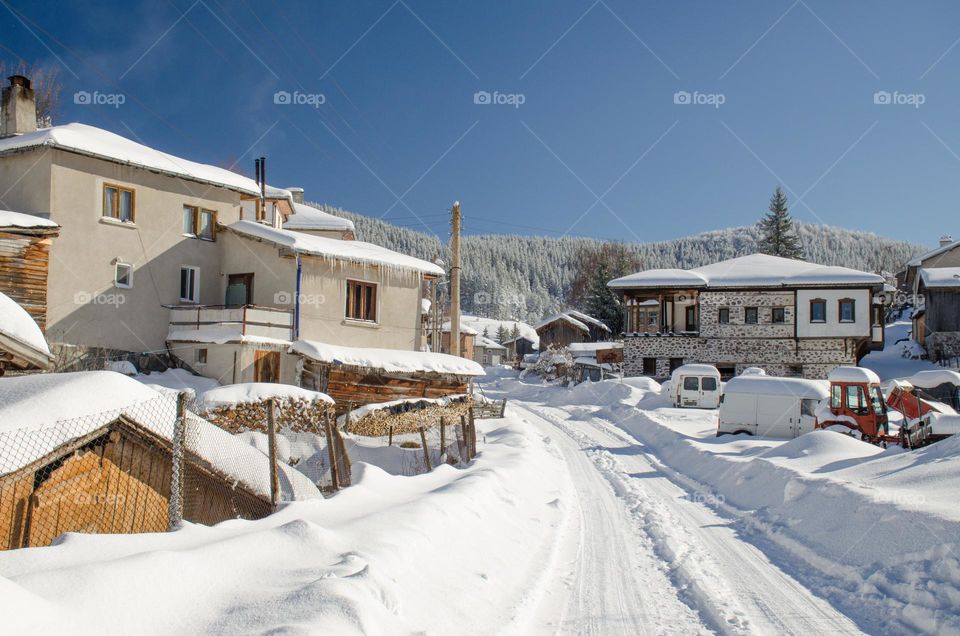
[695, 386]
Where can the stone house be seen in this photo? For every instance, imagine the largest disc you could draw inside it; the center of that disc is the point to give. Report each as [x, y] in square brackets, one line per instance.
[791, 318]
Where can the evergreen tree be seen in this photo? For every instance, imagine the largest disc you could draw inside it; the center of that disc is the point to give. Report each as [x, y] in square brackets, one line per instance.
[501, 333]
[777, 235]
[515, 333]
[486, 331]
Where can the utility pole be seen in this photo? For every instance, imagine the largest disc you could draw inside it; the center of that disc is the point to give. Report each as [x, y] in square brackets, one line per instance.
[455, 282]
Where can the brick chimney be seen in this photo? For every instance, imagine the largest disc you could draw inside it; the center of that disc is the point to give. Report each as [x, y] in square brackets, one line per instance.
[297, 193]
[945, 240]
[19, 107]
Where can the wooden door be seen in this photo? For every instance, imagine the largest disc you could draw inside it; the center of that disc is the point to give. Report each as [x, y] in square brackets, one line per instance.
[266, 366]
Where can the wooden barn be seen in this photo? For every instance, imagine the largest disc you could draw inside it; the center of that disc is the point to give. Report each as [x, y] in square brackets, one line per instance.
[110, 471]
[25, 242]
[357, 376]
[568, 327]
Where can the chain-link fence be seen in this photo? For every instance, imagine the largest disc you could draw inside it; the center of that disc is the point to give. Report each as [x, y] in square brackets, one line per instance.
[139, 469]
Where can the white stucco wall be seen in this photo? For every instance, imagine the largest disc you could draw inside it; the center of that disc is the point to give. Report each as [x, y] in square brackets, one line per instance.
[833, 327]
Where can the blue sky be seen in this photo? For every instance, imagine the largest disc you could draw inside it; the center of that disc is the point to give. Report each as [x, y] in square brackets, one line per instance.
[598, 147]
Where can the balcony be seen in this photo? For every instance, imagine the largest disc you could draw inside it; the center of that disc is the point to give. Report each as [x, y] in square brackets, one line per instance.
[218, 323]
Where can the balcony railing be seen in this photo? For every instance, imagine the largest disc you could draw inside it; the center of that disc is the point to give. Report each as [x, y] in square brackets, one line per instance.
[218, 322]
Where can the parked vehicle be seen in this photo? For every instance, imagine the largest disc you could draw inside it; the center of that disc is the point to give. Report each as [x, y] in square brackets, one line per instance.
[769, 406]
[856, 402]
[696, 386]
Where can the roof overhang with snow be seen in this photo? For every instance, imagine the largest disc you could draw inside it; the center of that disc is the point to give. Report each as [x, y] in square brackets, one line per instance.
[101, 144]
[750, 272]
[387, 360]
[21, 223]
[323, 247]
[940, 277]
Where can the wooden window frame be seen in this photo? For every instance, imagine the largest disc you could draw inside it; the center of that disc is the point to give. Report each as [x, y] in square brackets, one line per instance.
[821, 301]
[783, 315]
[756, 316]
[365, 310]
[116, 275]
[196, 285]
[853, 310]
[116, 202]
[198, 213]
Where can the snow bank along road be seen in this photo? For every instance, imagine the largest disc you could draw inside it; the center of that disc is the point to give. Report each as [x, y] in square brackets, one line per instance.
[653, 558]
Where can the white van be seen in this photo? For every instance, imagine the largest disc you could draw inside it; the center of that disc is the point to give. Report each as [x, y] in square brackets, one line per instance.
[695, 386]
[770, 407]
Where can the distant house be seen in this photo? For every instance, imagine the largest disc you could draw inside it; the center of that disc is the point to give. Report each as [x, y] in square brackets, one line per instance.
[519, 347]
[570, 326]
[468, 337]
[98, 459]
[488, 352]
[792, 318]
[22, 346]
[934, 280]
[25, 241]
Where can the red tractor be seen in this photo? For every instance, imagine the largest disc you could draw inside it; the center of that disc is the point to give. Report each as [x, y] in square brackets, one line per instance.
[856, 402]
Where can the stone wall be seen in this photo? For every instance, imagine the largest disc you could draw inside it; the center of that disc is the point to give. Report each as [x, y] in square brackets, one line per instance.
[711, 302]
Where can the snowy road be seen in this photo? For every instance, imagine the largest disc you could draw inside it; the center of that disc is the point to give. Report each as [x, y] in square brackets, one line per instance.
[644, 555]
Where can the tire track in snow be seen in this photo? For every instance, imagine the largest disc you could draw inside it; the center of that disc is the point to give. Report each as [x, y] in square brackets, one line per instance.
[728, 581]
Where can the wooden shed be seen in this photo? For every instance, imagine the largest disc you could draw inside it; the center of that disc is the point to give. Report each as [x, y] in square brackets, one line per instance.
[358, 376]
[25, 241]
[569, 327]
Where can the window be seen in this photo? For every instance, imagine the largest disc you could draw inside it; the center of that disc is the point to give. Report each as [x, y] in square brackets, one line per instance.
[795, 370]
[190, 284]
[778, 315]
[750, 315]
[691, 384]
[818, 310]
[199, 223]
[649, 366]
[118, 203]
[835, 396]
[691, 318]
[708, 384]
[201, 356]
[856, 401]
[361, 301]
[123, 275]
[723, 316]
[727, 372]
[675, 363]
[847, 310]
[809, 407]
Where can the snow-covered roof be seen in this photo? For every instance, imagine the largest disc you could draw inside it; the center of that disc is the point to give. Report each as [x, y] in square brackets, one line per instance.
[55, 408]
[492, 325]
[753, 270]
[567, 318]
[853, 374]
[769, 385]
[934, 378]
[487, 343]
[695, 369]
[21, 335]
[307, 217]
[940, 276]
[250, 392]
[9, 218]
[464, 329]
[916, 262]
[387, 360]
[330, 248]
[102, 144]
[592, 347]
[582, 317]
[273, 192]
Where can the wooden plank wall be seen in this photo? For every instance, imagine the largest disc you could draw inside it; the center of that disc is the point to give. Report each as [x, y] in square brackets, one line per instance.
[24, 264]
[358, 387]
